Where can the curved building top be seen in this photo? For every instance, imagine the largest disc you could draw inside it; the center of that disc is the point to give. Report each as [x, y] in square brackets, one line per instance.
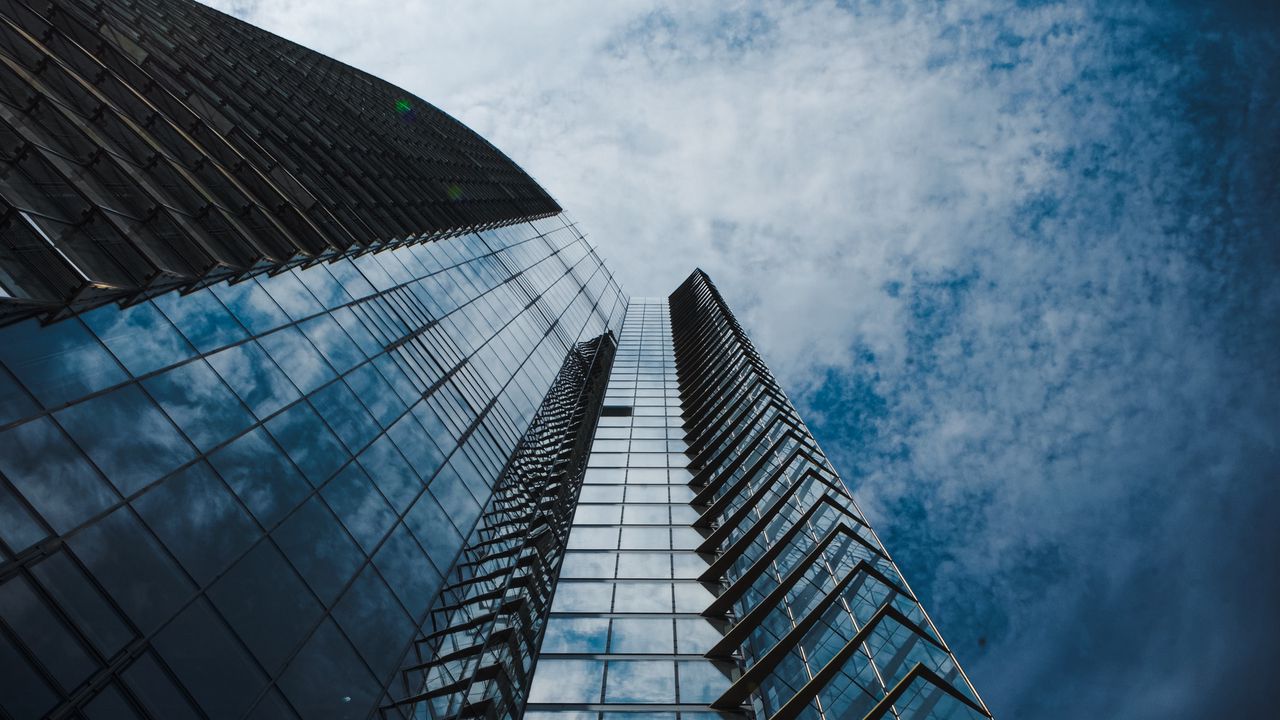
[151, 145]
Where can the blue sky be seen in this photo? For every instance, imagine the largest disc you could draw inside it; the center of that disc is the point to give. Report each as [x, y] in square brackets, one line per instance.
[1016, 262]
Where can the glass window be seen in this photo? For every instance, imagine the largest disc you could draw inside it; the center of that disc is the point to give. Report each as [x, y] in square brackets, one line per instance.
[576, 635]
[416, 446]
[641, 635]
[262, 477]
[375, 622]
[646, 460]
[52, 475]
[199, 520]
[593, 538]
[643, 597]
[360, 506]
[327, 679]
[141, 337]
[645, 538]
[588, 565]
[202, 318]
[58, 363]
[701, 681]
[695, 636]
[431, 526]
[320, 548]
[290, 294]
[582, 597]
[267, 604]
[308, 442]
[333, 342]
[685, 538]
[15, 403]
[254, 377]
[646, 476]
[156, 691]
[597, 515]
[605, 476]
[251, 305]
[392, 474]
[23, 694]
[646, 515]
[644, 565]
[567, 681]
[647, 494]
[346, 415]
[641, 681]
[692, 598]
[600, 494]
[146, 584]
[198, 401]
[209, 662]
[688, 565]
[408, 571]
[109, 704]
[298, 358]
[19, 529]
[47, 638]
[683, 515]
[127, 436]
[273, 707]
[83, 603]
[607, 460]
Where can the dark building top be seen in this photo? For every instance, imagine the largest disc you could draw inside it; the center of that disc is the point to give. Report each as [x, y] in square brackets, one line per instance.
[150, 145]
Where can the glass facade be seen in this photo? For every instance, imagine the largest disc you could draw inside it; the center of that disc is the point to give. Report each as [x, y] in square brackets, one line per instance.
[626, 635]
[241, 502]
[820, 619]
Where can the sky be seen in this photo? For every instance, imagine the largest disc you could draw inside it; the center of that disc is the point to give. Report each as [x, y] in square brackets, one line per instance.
[1016, 264]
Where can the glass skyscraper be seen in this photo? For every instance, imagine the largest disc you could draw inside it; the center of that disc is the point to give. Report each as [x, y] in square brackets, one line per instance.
[314, 405]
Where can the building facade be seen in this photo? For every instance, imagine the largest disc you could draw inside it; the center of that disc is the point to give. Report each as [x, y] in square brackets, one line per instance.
[314, 405]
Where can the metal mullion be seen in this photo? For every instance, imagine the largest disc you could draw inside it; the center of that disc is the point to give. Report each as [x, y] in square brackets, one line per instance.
[721, 605]
[769, 661]
[712, 479]
[712, 542]
[738, 633]
[738, 429]
[721, 504]
[792, 708]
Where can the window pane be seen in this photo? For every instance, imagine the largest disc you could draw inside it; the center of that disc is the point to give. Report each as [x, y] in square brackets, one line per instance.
[641, 681]
[575, 635]
[209, 530]
[567, 681]
[127, 436]
[641, 635]
[582, 597]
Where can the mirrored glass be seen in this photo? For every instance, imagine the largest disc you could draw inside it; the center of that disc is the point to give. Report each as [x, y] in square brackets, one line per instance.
[641, 681]
[127, 437]
[567, 681]
[641, 635]
[58, 363]
[576, 635]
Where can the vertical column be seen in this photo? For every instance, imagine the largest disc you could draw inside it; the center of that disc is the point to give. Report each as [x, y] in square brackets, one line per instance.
[626, 634]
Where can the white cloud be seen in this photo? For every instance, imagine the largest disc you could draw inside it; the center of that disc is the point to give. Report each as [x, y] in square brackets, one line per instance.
[1014, 259]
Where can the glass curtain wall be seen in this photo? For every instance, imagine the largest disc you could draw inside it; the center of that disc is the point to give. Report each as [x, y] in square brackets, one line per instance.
[240, 502]
[626, 637]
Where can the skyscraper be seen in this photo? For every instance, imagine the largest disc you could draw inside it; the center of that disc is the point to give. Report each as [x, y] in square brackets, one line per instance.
[313, 404]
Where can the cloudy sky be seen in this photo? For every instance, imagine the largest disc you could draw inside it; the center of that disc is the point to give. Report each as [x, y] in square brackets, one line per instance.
[1017, 263]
